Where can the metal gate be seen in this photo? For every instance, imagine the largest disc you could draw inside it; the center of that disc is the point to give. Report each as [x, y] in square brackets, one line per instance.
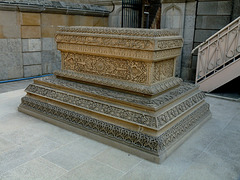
[132, 13]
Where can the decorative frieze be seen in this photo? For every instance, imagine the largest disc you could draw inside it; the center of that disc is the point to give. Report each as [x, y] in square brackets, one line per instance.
[148, 56]
[163, 70]
[154, 145]
[125, 98]
[141, 118]
[89, 39]
[118, 31]
[133, 71]
[119, 42]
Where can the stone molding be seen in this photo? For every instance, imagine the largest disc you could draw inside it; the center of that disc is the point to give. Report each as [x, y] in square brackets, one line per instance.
[119, 31]
[151, 144]
[133, 116]
[59, 7]
[120, 84]
[151, 104]
[135, 54]
[177, 1]
[117, 40]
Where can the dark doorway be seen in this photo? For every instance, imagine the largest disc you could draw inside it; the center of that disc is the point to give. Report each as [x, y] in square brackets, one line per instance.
[132, 13]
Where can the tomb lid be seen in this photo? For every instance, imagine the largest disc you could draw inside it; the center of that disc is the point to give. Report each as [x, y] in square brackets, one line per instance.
[119, 31]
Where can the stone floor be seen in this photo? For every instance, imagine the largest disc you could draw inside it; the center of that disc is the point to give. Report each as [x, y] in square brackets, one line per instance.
[32, 149]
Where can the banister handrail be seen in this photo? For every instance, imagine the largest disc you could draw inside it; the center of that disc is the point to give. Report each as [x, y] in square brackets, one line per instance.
[218, 51]
[214, 35]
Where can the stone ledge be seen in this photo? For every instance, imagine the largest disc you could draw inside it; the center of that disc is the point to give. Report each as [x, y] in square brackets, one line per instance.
[159, 146]
[120, 84]
[143, 118]
[142, 102]
[54, 7]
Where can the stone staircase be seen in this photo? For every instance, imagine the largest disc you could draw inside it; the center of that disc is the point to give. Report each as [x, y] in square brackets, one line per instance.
[219, 58]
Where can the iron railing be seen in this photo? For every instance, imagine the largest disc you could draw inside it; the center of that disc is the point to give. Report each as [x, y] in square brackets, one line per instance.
[218, 51]
[132, 13]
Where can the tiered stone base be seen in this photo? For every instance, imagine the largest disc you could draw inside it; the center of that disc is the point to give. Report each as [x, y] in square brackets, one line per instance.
[150, 127]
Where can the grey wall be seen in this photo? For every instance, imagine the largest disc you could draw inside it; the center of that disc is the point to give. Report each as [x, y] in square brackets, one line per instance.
[196, 21]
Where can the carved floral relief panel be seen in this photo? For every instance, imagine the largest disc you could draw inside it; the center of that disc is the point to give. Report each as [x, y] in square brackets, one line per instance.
[134, 71]
[163, 70]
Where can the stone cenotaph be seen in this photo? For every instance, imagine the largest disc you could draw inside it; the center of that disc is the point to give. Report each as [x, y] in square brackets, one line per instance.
[118, 86]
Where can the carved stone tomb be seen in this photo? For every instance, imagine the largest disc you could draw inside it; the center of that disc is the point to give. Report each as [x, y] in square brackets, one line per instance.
[117, 86]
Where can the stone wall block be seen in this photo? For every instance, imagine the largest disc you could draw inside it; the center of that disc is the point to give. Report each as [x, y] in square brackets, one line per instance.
[9, 24]
[10, 31]
[33, 70]
[7, 17]
[48, 31]
[190, 9]
[3, 45]
[48, 56]
[3, 73]
[32, 58]
[224, 8]
[30, 19]
[31, 32]
[214, 8]
[11, 59]
[207, 8]
[58, 56]
[54, 19]
[47, 44]
[86, 20]
[189, 22]
[186, 55]
[56, 66]
[31, 45]
[202, 35]
[100, 21]
[212, 22]
[1, 32]
[47, 68]
[186, 73]
[54, 45]
[11, 72]
[14, 45]
[194, 62]
[188, 35]
[14, 72]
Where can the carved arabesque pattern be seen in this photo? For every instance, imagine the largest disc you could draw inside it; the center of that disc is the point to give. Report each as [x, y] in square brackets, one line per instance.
[116, 111]
[163, 70]
[170, 44]
[132, 138]
[134, 71]
[105, 41]
[152, 103]
[119, 31]
[119, 42]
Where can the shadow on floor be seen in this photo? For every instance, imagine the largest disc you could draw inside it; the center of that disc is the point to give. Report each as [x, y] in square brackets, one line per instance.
[229, 90]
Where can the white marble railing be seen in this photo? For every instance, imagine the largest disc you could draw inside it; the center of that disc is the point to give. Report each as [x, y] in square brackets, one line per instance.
[218, 51]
